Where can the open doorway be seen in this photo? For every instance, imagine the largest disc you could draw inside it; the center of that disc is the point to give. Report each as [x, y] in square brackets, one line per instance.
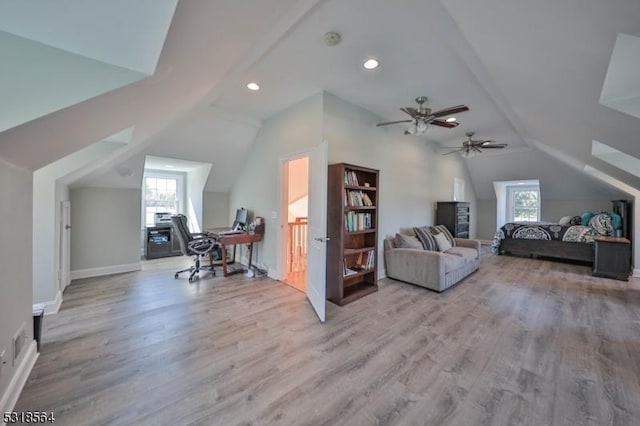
[295, 193]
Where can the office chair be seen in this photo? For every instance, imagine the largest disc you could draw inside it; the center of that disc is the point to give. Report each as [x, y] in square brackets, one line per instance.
[197, 245]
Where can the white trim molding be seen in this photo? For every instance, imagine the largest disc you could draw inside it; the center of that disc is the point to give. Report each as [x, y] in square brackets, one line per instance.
[53, 306]
[11, 394]
[382, 273]
[105, 270]
[636, 272]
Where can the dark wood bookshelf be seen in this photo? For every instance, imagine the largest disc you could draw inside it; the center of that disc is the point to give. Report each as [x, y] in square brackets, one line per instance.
[348, 251]
[347, 208]
[366, 231]
[360, 188]
[344, 247]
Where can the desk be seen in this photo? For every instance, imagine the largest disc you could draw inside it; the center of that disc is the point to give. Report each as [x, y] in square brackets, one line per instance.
[233, 239]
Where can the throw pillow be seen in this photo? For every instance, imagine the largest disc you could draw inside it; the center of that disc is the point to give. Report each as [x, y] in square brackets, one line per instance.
[586, 217]
[602, 224]
[443, 241]
[576, 220]
[408, 241]
[616, 220]
[441, 229]
[426, 238]
[564, 220]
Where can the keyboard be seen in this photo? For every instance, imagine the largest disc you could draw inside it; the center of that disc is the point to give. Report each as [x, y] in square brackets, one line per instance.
[230, 232]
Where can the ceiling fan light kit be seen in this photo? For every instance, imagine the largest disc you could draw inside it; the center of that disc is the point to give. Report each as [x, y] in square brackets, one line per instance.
[422, 117]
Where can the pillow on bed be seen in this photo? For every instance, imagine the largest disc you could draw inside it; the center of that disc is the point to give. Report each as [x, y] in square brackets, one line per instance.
[586, 217]
[601, 223]
[616, 220]
[576, 220]
[564, 220]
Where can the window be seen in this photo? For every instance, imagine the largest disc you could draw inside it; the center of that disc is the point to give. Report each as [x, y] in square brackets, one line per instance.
[163, 193]
[524, 204]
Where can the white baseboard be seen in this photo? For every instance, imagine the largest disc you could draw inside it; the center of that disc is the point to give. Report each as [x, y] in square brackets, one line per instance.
[53, 306]
[382, 273]
[105, 270]
[11, 394]
[273, 274]
[636, 272]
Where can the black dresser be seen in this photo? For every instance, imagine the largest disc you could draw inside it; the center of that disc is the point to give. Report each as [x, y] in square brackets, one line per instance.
[455, 216]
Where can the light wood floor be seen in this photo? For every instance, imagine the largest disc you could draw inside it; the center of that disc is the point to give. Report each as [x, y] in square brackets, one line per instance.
[297, 280]
[519, 342]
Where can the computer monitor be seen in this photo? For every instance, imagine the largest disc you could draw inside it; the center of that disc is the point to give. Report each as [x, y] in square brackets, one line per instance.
[241, 219]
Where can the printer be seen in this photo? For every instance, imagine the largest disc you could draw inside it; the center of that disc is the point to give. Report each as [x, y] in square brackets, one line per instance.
[162, 219]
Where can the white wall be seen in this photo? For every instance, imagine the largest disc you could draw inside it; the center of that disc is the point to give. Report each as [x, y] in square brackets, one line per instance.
[41, 79]
[216, 210]
[486, 214]
[295, 129]
[48, 192]
[15, 264]
[105, 230]
[196, 180]
[552, 210]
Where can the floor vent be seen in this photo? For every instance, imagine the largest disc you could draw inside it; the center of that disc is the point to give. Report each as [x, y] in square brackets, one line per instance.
[19, 341]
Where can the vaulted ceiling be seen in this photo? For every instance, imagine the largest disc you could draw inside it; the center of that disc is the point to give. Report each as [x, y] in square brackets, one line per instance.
[532, 74]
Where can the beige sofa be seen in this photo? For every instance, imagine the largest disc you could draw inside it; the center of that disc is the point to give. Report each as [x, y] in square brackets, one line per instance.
[432, 269]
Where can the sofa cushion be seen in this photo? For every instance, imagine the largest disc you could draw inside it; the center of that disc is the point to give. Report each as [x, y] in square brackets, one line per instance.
[443, 242]
[468, 254]
[407, 241]
[452, 262]
[425, 237]
[443, 229]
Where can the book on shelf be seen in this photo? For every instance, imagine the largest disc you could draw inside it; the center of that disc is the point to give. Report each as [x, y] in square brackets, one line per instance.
[350, 178]
[364, 262]
[356, 199]
[347, 271]
[357, 221]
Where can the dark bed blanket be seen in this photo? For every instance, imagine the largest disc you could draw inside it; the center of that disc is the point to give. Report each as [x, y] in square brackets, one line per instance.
[543, 231]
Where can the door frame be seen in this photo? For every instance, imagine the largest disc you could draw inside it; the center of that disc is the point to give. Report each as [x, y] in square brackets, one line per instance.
[64, 250]
[283, 179]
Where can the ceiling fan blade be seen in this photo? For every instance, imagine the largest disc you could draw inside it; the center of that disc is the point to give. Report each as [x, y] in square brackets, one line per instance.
[411, 111]
[455, 150]
[394, 122]
[451, 110]
[443, 123]
[497, 145]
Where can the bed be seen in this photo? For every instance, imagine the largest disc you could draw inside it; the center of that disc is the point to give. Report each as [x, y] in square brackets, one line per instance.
[537, 239]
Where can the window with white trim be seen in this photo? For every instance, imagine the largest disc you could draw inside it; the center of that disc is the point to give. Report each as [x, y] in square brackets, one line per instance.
[523, 204]
[162, 193]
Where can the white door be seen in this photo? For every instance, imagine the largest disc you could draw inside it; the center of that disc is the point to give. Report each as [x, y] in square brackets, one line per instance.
[317, 230]
[65, 244]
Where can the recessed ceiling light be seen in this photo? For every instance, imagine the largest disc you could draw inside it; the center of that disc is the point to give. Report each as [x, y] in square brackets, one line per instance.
[371, 64]
[253, 86]
[451, 119]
